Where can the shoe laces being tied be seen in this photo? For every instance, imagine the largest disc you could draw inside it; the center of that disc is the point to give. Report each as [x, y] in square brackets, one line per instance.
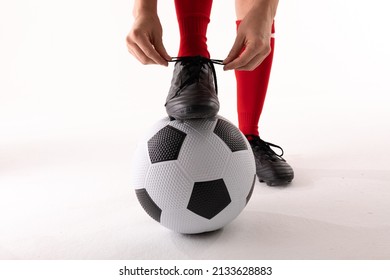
[194, 65]
[260, 145]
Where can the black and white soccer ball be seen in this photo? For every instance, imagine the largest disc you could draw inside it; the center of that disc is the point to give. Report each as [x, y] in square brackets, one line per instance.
[193, 176]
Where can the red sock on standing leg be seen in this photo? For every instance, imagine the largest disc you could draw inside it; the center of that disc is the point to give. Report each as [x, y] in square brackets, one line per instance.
[193, 18]
[251, 91]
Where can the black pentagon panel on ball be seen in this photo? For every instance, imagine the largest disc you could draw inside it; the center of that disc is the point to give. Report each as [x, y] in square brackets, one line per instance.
[209, 198]
[148, 204]
[230, 135]
[251, 190]
[165, 145]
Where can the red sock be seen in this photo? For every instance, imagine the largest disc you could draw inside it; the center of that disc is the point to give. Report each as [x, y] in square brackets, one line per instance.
[193, 18]
[251, 90]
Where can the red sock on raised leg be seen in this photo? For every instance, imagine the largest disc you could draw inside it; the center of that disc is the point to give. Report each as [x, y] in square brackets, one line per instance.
[193, 18]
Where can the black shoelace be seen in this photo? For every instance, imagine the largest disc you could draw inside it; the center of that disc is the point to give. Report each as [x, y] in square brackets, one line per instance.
[259, 144]
[195, 65]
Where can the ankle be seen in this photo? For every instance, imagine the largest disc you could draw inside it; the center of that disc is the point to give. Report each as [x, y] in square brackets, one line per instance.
[251, 137]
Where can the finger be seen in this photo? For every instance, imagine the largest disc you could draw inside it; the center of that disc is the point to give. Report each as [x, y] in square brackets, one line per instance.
[235, 51]
[246, 56]
[138, 53]
[252, 56]
[159, 46]
[253, 64]
[147, 48]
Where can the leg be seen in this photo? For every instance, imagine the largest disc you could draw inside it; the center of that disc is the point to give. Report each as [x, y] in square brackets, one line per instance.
[251, 91]
[193, 92]
[193, 18]
[251, 85]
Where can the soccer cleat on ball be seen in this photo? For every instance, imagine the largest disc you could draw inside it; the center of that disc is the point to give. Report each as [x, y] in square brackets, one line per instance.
[193, 91]
[271, 168]
[194, 176]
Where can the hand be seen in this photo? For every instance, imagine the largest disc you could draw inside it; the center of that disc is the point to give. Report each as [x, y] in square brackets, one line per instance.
[252, 44]
[144, 41]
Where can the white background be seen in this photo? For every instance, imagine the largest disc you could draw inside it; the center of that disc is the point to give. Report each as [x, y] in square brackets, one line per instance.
[74, 103]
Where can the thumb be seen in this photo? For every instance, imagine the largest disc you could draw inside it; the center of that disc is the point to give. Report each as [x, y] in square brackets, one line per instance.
[159, 47]
[235, 51]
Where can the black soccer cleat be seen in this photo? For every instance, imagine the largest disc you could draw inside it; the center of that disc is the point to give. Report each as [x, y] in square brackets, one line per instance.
[193, 92]
[271, 168]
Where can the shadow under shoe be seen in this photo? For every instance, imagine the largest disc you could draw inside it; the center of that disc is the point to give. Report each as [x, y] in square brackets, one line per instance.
[193, 91]
[271, 168]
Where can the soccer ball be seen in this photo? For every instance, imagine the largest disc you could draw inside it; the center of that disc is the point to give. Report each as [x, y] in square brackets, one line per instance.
[193, 176]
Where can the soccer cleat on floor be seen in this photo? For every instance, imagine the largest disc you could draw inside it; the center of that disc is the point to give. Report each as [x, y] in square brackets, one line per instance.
[271, 168]
[193, 92]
